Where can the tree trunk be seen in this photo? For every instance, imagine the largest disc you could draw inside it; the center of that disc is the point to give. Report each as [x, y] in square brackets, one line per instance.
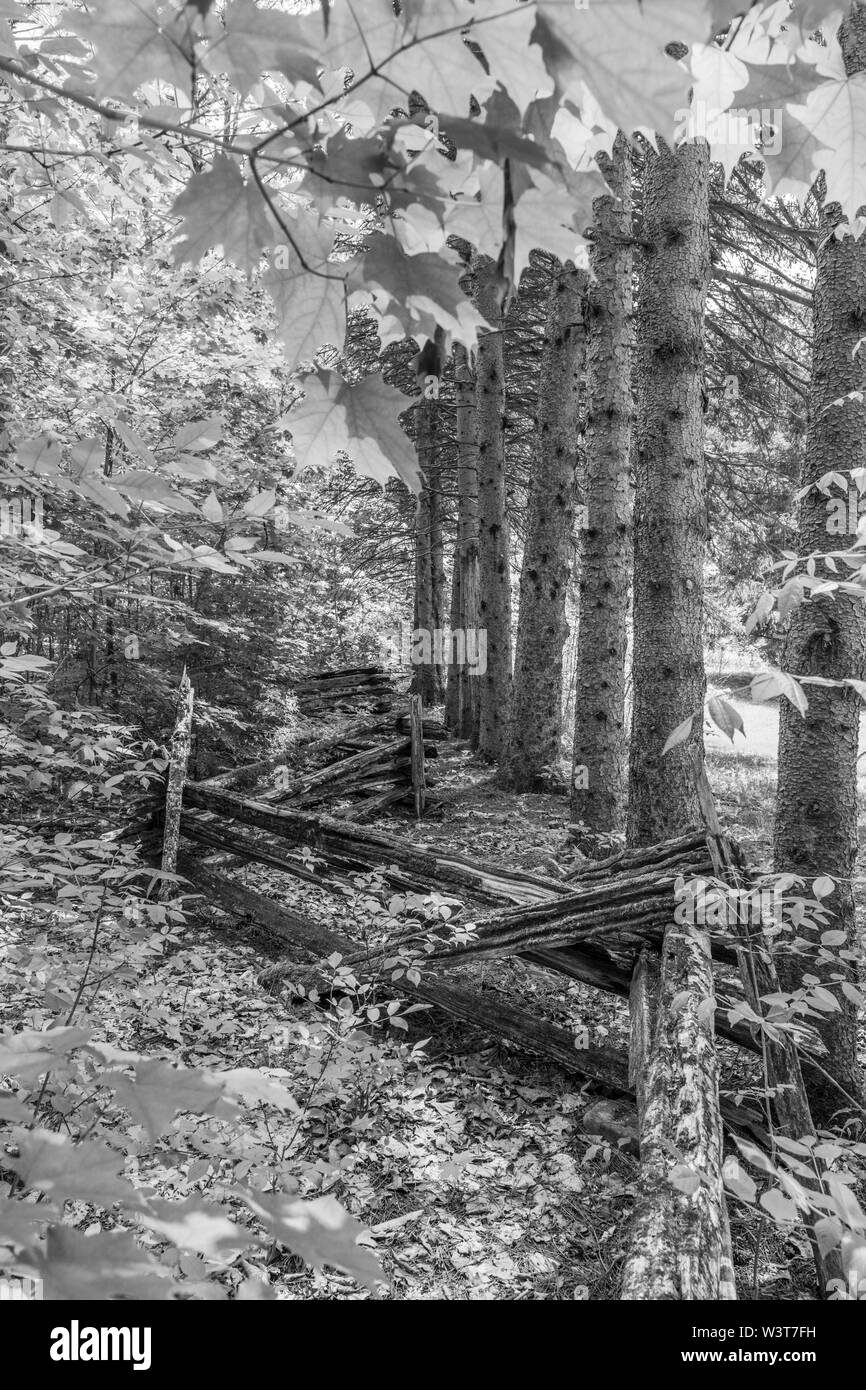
[670, 506]
[536, 715]
[428, 677]
[599, 776]
[816, 808]
[494, 686]
[461, 701]
[680, 1241]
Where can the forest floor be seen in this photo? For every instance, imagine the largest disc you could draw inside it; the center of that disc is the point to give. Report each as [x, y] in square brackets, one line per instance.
[471, 1164]
[465, 1157]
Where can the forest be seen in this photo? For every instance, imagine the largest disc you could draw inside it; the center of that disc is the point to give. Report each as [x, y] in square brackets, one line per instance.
[432, 647]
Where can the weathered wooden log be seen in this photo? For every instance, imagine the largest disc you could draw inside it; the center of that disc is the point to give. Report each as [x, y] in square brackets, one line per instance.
[395, 772]
[434, 730]
[345, 687]
[593, 965]
[344, 769]
[689, 848]
[643, 1008]
[349, 674]
[356, 728]
[416, 744]
[370, 847]
[614, 1121]
[628, 906]
[372, 805]
[309, 745]
[181, 741]
[232, 841]
[603, 1066]
[680, 1242]
[247, 773]
[490, 882]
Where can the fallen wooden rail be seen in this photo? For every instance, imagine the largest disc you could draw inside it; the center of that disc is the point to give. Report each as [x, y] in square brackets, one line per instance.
[603, 1066]
[373, 848]
[588, 964]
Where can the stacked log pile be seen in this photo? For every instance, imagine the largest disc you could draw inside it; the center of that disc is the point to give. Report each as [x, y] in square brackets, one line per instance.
[371, 768]
[345, 691]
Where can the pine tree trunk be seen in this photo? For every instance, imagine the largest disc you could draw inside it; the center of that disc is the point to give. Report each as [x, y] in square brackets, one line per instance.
[542, 630]
[816, 809]
[599, 777]
[428, 676]
[461, 700]
[494, 687]
[670, 506]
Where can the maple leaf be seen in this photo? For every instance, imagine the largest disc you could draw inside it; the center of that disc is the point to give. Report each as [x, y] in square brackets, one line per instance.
[718, 74]
[320, 1231]
[513, 59]
[250, 41]
[493, 140]
[199, 1226]
[252, 1086]
[134, 42]
[419, 50]
[549, 217]
[415, 287]
[618, 51]
[309, 297]
[98, 1267]
[220, 209]
[20, 1222]
[348, 168]
[479, 218]
[790, 171]
[29, 1053]
[361, 421]
[785, 81]
[444, 70]
[52, 1163]
[809, 15]
[835, 115]
[159, 1090]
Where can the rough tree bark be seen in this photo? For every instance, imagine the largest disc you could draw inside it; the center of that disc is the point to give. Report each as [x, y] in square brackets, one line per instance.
[461, 699]
[670, 506]
[680, 1241]
[816, 807]
[494, 687]
[599, 777]
[428, 679]
[536, 714]
[178, 759]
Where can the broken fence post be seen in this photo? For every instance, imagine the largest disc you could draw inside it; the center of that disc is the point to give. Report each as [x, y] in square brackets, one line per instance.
[178, 758]
[416, 722]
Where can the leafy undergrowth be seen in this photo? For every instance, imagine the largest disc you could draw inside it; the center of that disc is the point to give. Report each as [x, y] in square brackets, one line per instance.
[464, 1160]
